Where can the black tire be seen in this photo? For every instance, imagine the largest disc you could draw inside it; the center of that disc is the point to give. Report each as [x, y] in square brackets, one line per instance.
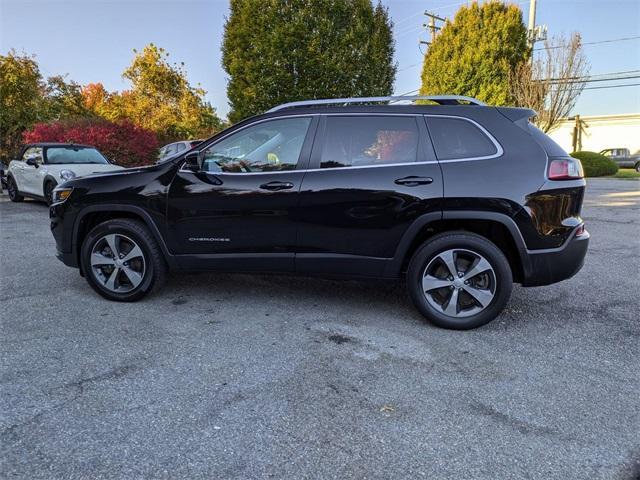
[12, 190]
[48, 191]
[464, 241]
[155, 272]
[637, 167]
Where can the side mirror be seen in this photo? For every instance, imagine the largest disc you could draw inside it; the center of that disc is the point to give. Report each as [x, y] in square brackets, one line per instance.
[32, 161]
[192, 161]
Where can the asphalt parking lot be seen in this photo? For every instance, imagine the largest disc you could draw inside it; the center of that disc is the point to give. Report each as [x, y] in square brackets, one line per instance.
[238, 376]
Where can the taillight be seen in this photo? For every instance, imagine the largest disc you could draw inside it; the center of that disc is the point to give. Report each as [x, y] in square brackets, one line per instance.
[565, 169]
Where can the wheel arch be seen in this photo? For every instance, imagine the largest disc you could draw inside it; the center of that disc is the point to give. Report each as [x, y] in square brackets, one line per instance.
[498, 228]
[46, 179]
[91, 216]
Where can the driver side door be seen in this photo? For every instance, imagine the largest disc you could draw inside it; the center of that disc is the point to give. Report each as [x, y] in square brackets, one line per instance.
[29, 180]
[238, 210]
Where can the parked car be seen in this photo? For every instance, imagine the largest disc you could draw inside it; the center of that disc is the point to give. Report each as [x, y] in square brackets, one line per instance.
[623, 157]
[173, 149]
[42, 166]
[3, 177]
[459, 198]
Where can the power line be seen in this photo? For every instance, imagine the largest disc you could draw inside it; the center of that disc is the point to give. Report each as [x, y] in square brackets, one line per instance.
[613, 40]
[612, 86]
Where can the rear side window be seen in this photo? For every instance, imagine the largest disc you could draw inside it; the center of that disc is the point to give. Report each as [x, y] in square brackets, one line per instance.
[363, 141]
[456, 138]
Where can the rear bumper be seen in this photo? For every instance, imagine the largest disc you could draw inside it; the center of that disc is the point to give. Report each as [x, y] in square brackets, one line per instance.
[557, 264]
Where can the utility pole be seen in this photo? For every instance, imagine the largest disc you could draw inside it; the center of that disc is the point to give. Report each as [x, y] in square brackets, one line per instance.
[534, 33]
[432, 26]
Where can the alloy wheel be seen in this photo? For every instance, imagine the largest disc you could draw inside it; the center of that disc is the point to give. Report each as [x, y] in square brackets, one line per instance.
[459, 283]
[12, 188]
[117, 263]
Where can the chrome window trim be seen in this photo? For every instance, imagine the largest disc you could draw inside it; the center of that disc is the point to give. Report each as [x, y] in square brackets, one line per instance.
[499, 149]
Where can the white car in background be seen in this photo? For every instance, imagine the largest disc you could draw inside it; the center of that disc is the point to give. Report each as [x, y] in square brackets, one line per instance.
[42, 166]
[176, 147]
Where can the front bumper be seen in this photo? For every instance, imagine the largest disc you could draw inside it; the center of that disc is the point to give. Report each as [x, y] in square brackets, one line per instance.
[62, 230]
[554, 265]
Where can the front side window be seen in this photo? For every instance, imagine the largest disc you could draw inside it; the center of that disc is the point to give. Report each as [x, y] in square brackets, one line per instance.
[65, 155]
[181, 147]
[33, 152]
[456, 138]
[269, 146]
[363, 141]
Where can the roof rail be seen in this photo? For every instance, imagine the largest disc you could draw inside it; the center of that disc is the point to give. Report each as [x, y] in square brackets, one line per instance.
[439, 99]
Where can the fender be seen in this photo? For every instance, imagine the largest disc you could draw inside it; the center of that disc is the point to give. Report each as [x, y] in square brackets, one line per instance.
[393, 268]
[146, 218]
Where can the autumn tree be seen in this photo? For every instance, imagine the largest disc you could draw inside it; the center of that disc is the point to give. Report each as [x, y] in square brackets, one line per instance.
[275, 52]
[63, 100]
[21, 91]
[553, 81]
[160, 99]
[476, 53]
[27, 98]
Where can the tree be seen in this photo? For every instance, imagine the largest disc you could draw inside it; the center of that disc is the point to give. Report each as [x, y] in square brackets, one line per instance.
[552, 83]
[21, 91]
[122, 142]
[476, 53]
[63, 100]
[276, 52]
[160, 99]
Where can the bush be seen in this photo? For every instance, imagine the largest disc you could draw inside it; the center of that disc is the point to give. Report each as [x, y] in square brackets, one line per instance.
[596, 165]
[121, 142]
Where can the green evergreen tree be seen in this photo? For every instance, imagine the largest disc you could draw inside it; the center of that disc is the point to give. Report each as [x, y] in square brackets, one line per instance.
[278, 51]
[476, 53]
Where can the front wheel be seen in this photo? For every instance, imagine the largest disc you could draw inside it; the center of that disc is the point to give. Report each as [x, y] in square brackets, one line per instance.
[459, 280]
[48, 192]
[637, 167]
[122, 261]
[12, 189]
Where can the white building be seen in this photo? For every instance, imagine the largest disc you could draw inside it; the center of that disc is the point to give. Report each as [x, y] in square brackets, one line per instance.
[601, 131]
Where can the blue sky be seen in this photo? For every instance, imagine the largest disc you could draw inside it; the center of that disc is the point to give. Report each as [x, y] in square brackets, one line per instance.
[92, 40]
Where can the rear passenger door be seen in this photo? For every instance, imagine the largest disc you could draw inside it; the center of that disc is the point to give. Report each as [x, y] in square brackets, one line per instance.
[370, 177]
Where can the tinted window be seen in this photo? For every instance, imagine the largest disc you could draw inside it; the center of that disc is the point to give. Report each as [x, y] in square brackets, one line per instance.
[360, 141]
[181, 147]
[457, 138]
[269, 146]
[63, 155]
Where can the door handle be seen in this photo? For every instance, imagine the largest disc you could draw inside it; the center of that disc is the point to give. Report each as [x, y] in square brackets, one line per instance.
[275, 186]
[413, 181]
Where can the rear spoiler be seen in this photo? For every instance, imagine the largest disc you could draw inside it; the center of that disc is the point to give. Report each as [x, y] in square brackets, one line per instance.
[519, 116]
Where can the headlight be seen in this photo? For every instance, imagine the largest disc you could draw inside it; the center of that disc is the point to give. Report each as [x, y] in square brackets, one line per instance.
[67, 174]
[60, 194]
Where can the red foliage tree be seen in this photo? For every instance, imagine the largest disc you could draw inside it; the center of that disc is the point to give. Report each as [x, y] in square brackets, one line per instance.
[121, 142]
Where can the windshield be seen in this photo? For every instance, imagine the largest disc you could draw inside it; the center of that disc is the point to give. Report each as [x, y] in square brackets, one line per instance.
[64, 155]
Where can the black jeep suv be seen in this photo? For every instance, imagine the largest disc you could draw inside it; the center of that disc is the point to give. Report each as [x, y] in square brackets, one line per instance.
[459, 198]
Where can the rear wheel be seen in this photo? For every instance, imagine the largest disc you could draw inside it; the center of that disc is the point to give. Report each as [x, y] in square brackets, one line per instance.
[122, 261]
[12, 189]
[637, 167]
[459, 280]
